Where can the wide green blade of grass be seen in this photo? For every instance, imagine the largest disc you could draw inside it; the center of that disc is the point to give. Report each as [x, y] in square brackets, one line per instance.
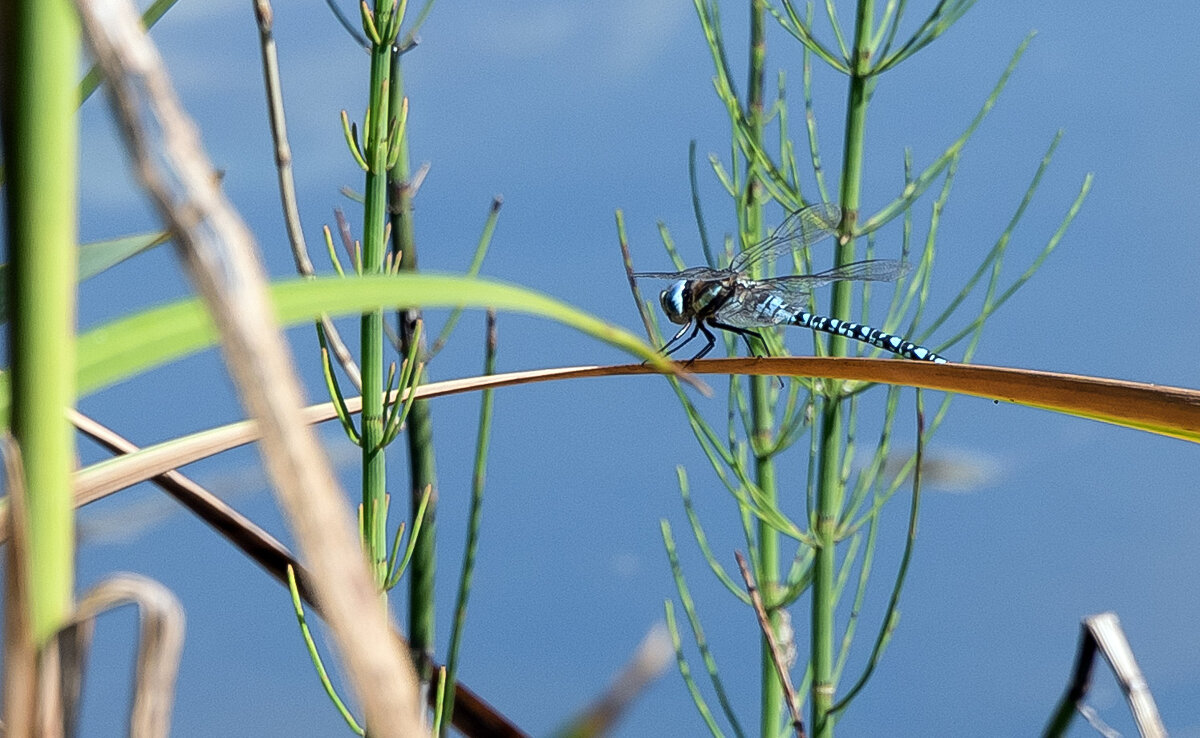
[125, 347]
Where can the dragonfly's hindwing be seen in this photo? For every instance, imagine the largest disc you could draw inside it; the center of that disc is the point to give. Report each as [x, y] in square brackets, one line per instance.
[752, 306]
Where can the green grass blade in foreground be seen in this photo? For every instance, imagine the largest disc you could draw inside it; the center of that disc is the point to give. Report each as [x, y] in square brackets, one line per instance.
[130, 345]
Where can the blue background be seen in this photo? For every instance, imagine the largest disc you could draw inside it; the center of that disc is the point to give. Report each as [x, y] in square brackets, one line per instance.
[571, 110]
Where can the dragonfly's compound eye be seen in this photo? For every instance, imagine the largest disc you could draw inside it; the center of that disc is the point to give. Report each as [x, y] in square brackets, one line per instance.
[672, 299]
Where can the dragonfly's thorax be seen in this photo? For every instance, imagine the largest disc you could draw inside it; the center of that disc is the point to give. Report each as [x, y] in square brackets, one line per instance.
[691, 299]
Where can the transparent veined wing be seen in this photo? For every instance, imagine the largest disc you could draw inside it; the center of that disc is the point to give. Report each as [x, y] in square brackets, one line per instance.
[754, 306]
[775, 301]
[693, 273]
[799, 287]
[799, 230]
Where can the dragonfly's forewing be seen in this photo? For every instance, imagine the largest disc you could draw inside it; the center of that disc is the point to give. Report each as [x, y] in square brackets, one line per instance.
[797, 288]
[693, 273]
[776, 300]
[799, 230]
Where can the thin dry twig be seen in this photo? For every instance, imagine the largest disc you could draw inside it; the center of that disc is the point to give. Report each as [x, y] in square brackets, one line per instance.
[627, 261]
[652, 657]
[287, 185]
[219, 253]
[236, 528]
[764, 622]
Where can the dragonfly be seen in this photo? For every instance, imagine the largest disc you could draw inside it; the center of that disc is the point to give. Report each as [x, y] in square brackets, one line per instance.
[701, 298]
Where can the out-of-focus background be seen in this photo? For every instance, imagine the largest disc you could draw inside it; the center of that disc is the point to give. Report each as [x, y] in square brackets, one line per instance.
[571, 110]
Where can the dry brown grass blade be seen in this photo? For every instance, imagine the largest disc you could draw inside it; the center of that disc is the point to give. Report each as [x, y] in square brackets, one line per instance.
[236, 528]
[472, 715]
[1168, 411]
[20, 653]
[1171, 411]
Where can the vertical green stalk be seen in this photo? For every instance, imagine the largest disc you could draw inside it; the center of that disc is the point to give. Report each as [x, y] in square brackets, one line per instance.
[829, 489]
[474, 520]
[40, 42]
[375, 152]
[422, 471]
[762, 415]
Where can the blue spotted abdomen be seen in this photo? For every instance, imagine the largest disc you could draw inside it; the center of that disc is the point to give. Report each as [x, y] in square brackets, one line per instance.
[866, 334]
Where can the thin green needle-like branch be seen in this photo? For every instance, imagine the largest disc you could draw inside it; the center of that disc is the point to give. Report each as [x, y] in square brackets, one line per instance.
[689, 608]
[802, 31]
[702, 539]
[398, 567]
[921, 182]
[891, 616]
[315, 656]
[474, 518]
[481, 248]
[335, 391]
[685, 671]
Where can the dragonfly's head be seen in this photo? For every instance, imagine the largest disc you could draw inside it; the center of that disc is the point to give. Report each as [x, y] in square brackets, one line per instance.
[674, 303]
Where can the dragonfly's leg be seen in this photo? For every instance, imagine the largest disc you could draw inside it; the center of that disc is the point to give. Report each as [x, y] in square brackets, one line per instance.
[667, 349]
[745, 334]
[712, 341]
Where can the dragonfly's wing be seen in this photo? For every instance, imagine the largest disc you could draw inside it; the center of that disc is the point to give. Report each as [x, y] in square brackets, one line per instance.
[693, 273]
[799, 230]
[798, 287]
[755, 305]
[777, 300]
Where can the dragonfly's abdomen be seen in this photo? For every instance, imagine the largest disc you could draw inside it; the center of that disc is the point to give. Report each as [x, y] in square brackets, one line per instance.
[768, 310]
[867, 334]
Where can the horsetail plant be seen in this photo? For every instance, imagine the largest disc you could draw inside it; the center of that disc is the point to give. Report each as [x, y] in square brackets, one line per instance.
[841, 523]
[422, 470]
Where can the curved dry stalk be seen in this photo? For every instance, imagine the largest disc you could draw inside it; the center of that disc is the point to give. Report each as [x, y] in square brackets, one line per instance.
[472, 717]
[160, 645]
[1169, 411]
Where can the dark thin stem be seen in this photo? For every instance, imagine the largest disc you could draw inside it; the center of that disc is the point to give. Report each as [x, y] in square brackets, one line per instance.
[777, 656]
